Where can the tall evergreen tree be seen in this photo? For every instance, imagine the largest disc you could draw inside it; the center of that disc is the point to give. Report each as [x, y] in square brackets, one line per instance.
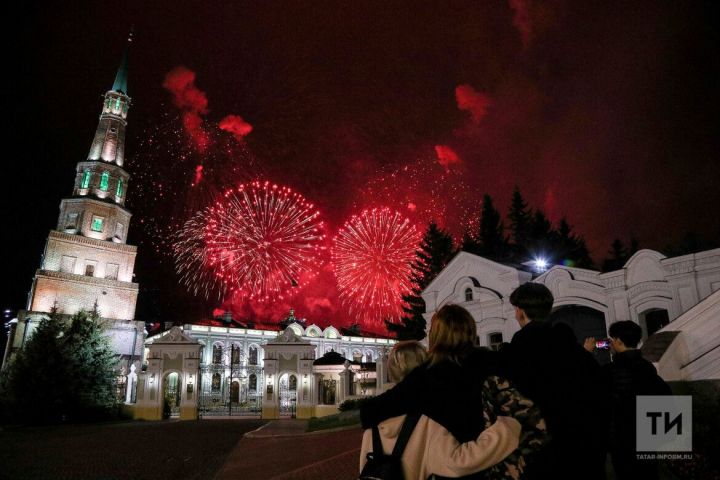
[618, 256]
[569, 248]
[493, 243]
[65, 371]
[435, 251]
[520, 218]
[541, 235]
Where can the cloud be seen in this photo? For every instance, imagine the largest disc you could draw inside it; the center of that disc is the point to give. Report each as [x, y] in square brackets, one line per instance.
[180, 82]
[446, 156]
[470, 100]
[521, 19]
[235, 125]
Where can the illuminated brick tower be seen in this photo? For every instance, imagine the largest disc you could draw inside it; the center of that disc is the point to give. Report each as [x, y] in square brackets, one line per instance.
[86, 260]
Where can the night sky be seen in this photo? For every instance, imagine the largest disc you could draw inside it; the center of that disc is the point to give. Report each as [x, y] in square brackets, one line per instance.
[603, 112]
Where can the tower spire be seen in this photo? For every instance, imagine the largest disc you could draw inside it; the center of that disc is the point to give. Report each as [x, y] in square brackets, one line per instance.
[120, 83]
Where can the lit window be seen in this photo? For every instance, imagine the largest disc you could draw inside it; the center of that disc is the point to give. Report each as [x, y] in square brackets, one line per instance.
[117, 103]
[253, 356]
[97, 224]
[217, 354]
[119, 189]
[85, 182]
[104, 180]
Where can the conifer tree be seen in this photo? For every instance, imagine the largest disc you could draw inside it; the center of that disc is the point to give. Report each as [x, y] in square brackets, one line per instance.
[64, 371]
[541, 235]
[435, 251]
[570, 248]
[520, 218]
[490, 241]
[618, 256]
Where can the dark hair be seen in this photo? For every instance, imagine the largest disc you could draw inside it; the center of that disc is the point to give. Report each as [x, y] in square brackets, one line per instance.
[535, 299]
[452, 334]
[628, 331]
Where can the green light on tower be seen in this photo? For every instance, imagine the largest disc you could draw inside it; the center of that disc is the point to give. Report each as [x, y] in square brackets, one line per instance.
[104, 180]
[85, 182]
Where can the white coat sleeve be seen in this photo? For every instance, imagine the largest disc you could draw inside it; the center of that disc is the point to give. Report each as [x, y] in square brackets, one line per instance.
[448, 458]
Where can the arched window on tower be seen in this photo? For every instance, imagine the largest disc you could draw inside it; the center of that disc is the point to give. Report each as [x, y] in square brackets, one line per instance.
[117, 103]
[85, 182]
[468, 294]
[119, 189]
[104, 181]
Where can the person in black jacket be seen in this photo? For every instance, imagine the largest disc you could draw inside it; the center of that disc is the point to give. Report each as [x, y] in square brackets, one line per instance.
[629, 375]
[549, 366]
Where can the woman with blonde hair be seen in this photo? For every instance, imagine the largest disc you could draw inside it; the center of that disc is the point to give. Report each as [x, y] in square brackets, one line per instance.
[431, 449]
[457, 388]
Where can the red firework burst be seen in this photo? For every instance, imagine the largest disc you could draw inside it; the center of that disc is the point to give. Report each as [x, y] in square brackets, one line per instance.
[257, 241]
[371, 258]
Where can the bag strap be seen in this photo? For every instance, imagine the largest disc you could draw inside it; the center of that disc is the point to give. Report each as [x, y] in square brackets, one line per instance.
[377, 443]
[407, 428]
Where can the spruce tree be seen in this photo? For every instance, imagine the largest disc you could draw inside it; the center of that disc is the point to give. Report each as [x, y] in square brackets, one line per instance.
[520, 218]
[92, 366]
[65, 371]
[618, 256]
[435, 251]
[570, 249]
[490, 241]
[541, 235]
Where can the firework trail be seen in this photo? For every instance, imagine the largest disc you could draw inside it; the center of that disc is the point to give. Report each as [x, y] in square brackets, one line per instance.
[256, 242]
[371, 256]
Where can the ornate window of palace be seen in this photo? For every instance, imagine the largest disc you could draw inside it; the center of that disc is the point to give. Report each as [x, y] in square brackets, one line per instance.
[252, 382]
[252, 355]
[215, 386]
[235, 355]
[217, 354]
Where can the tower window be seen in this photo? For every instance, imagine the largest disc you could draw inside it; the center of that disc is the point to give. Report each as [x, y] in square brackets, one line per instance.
[97, 224]
[90, 269]
[117, 103]
[85, 182]
[119, 189]
[104, 180]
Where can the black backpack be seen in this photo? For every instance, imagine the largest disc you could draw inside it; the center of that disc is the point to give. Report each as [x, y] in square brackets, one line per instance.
[388, 467]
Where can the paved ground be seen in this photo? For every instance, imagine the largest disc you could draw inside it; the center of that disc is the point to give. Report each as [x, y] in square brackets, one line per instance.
[282, 451]
[132, 450]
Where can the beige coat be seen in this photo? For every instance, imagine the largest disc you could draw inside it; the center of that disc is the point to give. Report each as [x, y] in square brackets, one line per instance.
[432, 449]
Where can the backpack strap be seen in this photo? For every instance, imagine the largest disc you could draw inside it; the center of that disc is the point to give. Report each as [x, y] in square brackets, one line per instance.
[408, 426]
[377, 450]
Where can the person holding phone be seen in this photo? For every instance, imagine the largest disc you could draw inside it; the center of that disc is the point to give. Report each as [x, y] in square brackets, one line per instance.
[628, 375]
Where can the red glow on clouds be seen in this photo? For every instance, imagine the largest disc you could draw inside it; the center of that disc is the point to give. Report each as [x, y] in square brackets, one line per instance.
[446, 156]
[236, 125]
[470, 100]
[192, 101]
[551, 207]
[521, 19]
